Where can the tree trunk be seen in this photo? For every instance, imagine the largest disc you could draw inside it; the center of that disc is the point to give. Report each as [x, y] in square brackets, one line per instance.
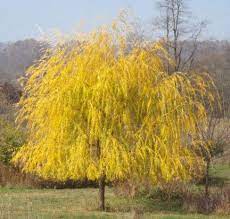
[207, 178]
[102, 192]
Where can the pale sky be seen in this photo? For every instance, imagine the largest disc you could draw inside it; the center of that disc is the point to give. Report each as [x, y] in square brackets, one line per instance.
[20, 19]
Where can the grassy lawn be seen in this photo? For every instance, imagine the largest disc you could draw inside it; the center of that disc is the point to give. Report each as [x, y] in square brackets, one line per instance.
[220, 168]
[221, 171]
[82, 203]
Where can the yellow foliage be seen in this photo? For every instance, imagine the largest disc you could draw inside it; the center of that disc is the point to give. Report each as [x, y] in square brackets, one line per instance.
[96, 108]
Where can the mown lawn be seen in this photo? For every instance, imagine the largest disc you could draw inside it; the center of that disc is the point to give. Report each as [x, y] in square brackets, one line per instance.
[82, 203]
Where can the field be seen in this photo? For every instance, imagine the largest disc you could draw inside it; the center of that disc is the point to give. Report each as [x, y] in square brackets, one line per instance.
[82, 203]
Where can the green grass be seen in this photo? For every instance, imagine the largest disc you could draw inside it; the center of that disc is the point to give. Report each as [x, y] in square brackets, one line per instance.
[220, 174]
[82, 203]
[221, 170]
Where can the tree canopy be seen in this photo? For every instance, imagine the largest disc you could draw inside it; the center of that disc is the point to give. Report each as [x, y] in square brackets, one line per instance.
[94, 108]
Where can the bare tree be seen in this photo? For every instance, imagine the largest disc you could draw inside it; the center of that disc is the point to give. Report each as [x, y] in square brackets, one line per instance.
[216, 137]
[179, 33]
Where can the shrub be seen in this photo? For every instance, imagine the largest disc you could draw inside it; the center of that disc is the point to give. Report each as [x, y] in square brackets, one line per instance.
[217, 201]
[11, 140]
[192, 198]
[13, 177]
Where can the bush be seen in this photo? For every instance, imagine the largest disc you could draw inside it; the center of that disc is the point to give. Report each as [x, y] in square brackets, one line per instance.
[191, 198]
[11, 140]
[12, 177]
[217, 202]
[132, 188]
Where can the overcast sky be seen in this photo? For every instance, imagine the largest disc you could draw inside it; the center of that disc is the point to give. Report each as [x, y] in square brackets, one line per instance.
[20, 19]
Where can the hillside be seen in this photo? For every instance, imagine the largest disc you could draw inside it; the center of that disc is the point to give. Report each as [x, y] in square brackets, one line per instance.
[16, 57]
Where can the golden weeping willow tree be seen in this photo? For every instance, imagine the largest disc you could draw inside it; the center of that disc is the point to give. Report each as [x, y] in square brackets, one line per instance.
[96, 111]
